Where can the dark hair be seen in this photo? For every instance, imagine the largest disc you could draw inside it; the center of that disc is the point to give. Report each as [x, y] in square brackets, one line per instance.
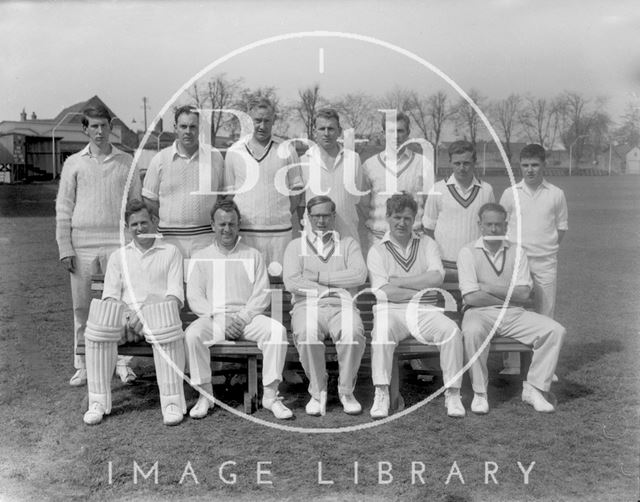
[399, 201]
[185, 110]
[533, 151]
[95, 112]
[320, 199]
[133, 206]
[329, 114]
[461, 146]
[400, 116]
[226, 205]
[492, 206]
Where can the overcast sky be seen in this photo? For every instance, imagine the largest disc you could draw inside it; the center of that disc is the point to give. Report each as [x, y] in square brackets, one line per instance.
[56, 54]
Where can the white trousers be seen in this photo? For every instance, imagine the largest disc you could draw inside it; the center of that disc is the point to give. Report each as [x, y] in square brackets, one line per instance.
[542, 333]
[270, 336]
[544, 271]
[87, 260]
[350, 345]
[271, 245]
[189, 244]
[430, 327]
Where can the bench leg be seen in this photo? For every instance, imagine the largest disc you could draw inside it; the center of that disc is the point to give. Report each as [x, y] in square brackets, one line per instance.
[251, 396]
[394, 386]
[525, 362]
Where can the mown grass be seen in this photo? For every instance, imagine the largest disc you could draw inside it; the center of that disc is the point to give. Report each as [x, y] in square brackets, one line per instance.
[587, 450]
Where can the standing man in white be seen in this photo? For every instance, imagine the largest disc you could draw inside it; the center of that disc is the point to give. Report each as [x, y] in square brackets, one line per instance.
[328, 167]
[413, 175]
[318, 268]
[486, 268]
[450, 214]
[172, 177]
[143, 293]
[543, 212]
[266, 211]
[88, 207]
[400, 266]
[227, 287]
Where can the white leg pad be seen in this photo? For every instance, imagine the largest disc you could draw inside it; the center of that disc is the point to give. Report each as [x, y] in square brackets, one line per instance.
[105, 322]
[101, 359]
[102, 334]
[170, 381]
[162, 323]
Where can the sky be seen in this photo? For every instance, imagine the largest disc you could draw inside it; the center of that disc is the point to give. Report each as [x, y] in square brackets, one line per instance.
[58, 53]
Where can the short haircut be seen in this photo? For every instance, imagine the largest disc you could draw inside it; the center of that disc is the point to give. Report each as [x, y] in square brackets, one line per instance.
[134, 206]
[185, 110]
[226, 205]
[328, 114]
[400, 117]
[398, 202]
[95, 112]
[492, 206]
[461, 146]
[263, 103]
[320, 199]
[533, 151]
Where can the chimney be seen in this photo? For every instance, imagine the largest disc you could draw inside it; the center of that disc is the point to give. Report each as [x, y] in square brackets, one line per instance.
[34, 116]
[23, 115]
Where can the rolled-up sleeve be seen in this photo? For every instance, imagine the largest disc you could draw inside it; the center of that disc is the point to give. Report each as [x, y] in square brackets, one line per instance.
[467, 277]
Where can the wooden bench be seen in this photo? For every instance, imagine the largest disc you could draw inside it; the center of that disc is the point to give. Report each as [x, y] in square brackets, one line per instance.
[248, 354]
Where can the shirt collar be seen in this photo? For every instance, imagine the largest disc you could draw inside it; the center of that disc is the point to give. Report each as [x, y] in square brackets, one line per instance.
[451, 180]
[86, 151]
[407, 153]
[158, 243]
[523, 186]
[226, 251]
[387, 238]
[481, 245]
[318, 154]
[175, 151]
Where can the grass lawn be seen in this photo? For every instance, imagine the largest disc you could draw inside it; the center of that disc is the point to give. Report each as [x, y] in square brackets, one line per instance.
[587, 450]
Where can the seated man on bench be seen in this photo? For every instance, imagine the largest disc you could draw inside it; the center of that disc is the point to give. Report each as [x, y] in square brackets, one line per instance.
[142, 295]
[401, 265]
[319, 260]
[485, 271]
[228, 288]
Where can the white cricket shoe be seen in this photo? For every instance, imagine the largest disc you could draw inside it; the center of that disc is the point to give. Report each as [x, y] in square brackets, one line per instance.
[277, 407]
[380, 408]
[79, 378]
[201, 408]
[350, 404]
[480, 404]
[94, 414]
[534, 397]
[454, 405]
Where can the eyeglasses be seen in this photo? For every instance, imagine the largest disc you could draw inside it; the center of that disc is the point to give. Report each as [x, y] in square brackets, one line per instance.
[320, 216]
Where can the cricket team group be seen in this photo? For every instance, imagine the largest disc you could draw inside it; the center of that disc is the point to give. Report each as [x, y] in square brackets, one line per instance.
[329, 226]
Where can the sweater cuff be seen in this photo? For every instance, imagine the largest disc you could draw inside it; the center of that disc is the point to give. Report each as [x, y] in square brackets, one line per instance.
[245, 315]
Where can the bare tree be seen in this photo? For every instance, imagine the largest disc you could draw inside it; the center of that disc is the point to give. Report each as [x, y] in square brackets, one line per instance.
[540, 120]
[628, 132]
[439, 112]
[307, 108]
[505, 114]
[418, 110]
[358, 110]
[466, 117]
[219, 92]
[397, 99]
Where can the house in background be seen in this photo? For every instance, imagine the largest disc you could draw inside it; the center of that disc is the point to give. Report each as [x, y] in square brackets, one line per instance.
[34, 148]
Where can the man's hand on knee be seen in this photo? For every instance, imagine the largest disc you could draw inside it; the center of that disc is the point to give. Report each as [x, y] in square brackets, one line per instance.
[70, 263]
